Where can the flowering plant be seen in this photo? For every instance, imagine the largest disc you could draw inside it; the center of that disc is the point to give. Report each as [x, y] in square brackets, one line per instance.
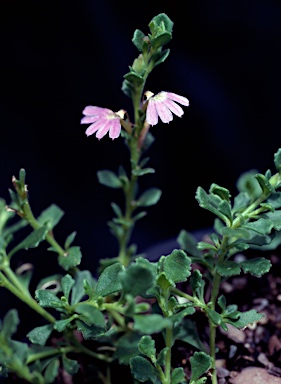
[132, 313]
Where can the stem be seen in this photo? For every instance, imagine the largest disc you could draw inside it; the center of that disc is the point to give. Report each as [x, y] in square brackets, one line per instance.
[169, 344]
[28, 300]
[14, 279]
[42, 355]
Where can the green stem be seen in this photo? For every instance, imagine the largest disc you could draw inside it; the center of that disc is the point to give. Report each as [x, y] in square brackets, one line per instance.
[14, 280]
[44, 354]
[169, 344]
[28, 300]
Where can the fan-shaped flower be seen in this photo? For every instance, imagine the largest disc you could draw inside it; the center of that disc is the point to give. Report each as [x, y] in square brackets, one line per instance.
[163, 105]
[102, 121]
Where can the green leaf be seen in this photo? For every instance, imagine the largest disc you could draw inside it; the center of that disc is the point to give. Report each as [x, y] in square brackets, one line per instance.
[60, 325]
[277, 160]
[228, 268]
[52, 371]
[177, 266]
[71, 366]
[127, 347]
[265, 185]
[161, 358]
[149, 197]
[187, 332]
[214, 204]
[109, 179]
[32, 240]
[262, 226]
[143, 370]
[78, 291]
[150, 324]
[69, 240]
[138, 39]
[275, 218]
[223, 193]
[245, 319]
[90, 332]
[178, 376]
[160, 57]
[248, 184]
[179, 316]
[214, 316]
[147, 347]
[50, 216]
[109, 281]
[67, 283]
[161, 40]
[91, 315]
[136, 279]
[134, 78]
[200, 363]
[10, 324]
[257, 267]
[161, 21]
[40, 335]
[188, 243]
[46, 298]
[143, 171]
[71, 259]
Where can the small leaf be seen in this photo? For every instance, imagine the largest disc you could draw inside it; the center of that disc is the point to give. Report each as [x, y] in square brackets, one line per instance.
[277, 160]
[60, 325]
[143, 370]
[150, 324]
[177, 266]
[127, 347]
[10, 324]
[109, 281]
[246, 318]
[147, 347]
[78, 291]
[200, 363]
[50, 216]
[228, 268]
[32, 240]
[214, 316]
[178, 376]
[143, 171]
[223, 193]
[40, 335]
[91, 315]
[160, 57]
[46, 298]
[257, 267]
[67, 283]
[69, 240]
[109, 179]
[188, 243]
[138, 39]
[71, 259]
[90, 332]
[71, 366]
[136, 279]
[149, 197]
[51, 371]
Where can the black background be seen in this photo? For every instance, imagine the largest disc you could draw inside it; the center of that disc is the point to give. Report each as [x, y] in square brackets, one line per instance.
[59, 56]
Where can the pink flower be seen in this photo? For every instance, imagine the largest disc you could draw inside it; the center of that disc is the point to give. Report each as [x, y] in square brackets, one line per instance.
[102, 121]
[162, 105]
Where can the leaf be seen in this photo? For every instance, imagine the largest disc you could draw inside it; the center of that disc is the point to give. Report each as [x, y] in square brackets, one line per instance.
[188, 243]
[92, 332]
[265, 185]
[69, 240]
[223, 193]
[60, 325]
[257, 267]
[127, 347]
[162, 21]
[46, 298]
[262, 226]
[245, 319]
[136, 279]
[51, 371]
[160, 57]
[214, 204]
[70, 366]
[67, 283]
[275, 218]
[10, 324]
[200, 363]
[228, 268]
[32, 240]
[187, 332]
[78, 291]
[40, 335]
[178, 375]
[177, 266]
[71, 259]
[143, 171]
[147, 347]
[138, 39]
[91, 315]
[50, 216]
[149, 197]
[109, 281]
[277, 160]
[214, 316]
[150, 324]
[143, 370]
[109, 179]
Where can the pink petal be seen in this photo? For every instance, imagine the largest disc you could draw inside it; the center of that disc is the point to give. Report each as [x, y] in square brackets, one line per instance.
[89, 119]
[175, 108]
[103, 129]
[151, 113]
[115, 129]
[91, 110]
[179, 99]
[93, 128]
[164, 113]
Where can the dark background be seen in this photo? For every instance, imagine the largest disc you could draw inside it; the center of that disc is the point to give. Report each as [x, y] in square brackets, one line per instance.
[59, 56]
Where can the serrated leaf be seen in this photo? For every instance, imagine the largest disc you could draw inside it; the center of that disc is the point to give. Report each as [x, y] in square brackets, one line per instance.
[187, 332]
[214, 204]
[46, 298]
[262, 226]
[147, 347]
[223, 193]
[245, 319]
[91, 315]
[257, 267]
[134, 78]
[228, 268]
[50, 216]
[149, 324]
[265, 185]
[248, 184]
[71, 259]
[60, 325]
[275, 218]
[149, 197]
[143, 370]
[161, 40]
[90, 332]
[127, 347]
[200, 363]
[109, 281]
[40, 335]
[162, 21]
[177, 266]
[138, 39]
[188, 243]
[109, 179]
